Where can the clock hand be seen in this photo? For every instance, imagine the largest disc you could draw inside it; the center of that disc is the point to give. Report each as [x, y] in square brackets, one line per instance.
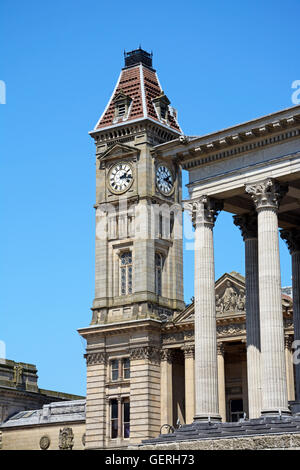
[125, 176]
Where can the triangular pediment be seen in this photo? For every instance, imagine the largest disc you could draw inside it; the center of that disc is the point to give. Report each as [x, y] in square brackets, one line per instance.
[121, 96]
[230, 300]
[186, 316]
[119, 150]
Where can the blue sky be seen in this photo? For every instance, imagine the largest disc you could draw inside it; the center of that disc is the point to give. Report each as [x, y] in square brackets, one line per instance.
[220, 63]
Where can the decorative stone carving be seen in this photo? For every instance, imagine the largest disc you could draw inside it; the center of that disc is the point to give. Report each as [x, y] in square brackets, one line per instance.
[18, 374]
[247, 223]
[189, 350]
[232, 300]
[267, 193]
[173, 338]
[233, 329]
[204, 210]
[45, 442]
[66, 439]
[166, 355]
[220, 348]
[292, 239]
[96, 358]
[146, 352]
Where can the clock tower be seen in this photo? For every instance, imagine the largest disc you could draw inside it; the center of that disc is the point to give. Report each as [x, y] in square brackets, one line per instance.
[138, 275]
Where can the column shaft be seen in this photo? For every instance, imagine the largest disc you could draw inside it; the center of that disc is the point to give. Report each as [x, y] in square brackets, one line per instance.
[206, 373]
[289, 368]
[253, 328]
[221, 382]
[166, 388]
[296, 313]
[189, 384]
[274, 387]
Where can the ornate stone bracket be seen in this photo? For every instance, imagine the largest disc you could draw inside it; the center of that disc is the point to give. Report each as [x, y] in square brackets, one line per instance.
[267, 193]
[150, 353]
[96, 358]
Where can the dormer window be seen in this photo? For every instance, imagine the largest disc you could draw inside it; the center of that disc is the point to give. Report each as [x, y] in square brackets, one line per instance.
[122, 105]
[161, 105]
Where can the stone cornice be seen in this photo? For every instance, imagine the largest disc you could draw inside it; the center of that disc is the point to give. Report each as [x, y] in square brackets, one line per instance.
[117, 328]
[242, 137]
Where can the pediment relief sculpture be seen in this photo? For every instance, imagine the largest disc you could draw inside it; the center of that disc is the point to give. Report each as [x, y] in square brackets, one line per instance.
[231, 300]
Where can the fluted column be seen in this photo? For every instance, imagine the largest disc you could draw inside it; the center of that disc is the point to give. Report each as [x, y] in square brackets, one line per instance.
[221, 381]
[248, 226]
[166, 397]
[205, 211]
[292, 238]
[289, 368]
[189, 369]
[267, 195]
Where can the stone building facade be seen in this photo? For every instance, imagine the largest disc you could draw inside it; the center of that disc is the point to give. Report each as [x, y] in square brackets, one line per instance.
[154, 363]
[151, 360]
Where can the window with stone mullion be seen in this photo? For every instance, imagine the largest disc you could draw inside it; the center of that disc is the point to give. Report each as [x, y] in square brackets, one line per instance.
[126, 273]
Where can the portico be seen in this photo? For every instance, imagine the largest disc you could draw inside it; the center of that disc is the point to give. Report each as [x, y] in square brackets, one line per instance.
[253, 171]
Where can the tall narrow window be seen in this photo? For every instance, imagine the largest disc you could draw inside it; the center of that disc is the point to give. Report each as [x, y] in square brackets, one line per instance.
[114, 418]
[126, 368]
[126, 418]
[114, 369]
[158, 273]
[126, 273]
[119, 418]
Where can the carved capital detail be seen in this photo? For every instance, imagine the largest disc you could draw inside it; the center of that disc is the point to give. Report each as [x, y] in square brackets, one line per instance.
[189, 350]
[247, 224]
[220, 349]
[149, 353]
[292, 239]
[166, 355]
[267, 193]
[96, 358]
[204, 210]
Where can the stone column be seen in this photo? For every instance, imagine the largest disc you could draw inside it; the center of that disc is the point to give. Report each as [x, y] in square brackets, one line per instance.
[221, 381]
[292, 237]
[166, 402]
[189, 355]
[267, 195]
[289, 367]
[248, 226]
[205, 211]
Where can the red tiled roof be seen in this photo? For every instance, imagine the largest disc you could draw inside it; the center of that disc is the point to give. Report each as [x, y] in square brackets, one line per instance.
[141, 85]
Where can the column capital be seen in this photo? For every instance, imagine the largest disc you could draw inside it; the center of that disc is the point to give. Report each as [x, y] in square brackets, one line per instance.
[220, 348]
[166, 355]
[267, 193]
[204, 210]
[188, 350]
[292, 239]
[247, 224]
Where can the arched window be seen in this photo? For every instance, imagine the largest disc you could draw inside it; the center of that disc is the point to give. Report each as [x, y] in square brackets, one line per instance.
[158, 273]
[126, 273]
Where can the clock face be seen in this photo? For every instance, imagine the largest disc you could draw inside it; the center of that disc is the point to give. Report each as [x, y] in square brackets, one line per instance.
[121, 177]
[164, 179]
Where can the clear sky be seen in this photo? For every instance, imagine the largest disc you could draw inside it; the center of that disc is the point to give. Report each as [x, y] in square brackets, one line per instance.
[219, 62]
